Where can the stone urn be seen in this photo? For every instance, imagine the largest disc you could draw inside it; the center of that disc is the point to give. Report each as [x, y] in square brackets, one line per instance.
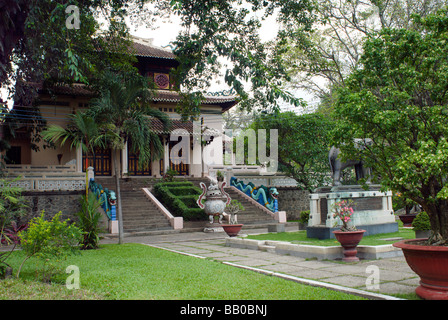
[213, 200]
[349, 241]
[407, 219]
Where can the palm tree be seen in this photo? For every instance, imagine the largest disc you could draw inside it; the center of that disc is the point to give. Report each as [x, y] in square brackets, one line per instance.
[124, 104]
[81, 131]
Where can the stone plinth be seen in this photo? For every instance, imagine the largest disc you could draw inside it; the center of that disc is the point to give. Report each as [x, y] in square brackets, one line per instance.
[213, 227]
[372, 210]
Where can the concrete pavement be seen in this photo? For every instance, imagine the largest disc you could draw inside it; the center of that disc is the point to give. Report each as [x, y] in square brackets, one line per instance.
[373, 279]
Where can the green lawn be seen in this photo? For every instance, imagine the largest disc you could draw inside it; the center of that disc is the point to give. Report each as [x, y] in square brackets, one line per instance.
[134, 271]
[299, 237]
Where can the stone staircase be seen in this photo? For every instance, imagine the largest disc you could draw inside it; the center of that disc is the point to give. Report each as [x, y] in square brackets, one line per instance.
[252, 215]
[141, 215]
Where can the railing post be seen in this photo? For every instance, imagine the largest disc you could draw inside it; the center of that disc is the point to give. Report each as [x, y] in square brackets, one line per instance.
[90, 173]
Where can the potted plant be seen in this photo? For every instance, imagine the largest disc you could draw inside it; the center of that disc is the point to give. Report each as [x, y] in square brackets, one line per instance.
[407, 217]
[422, 225]
[219, 176]
[233, 228]
[348, 236]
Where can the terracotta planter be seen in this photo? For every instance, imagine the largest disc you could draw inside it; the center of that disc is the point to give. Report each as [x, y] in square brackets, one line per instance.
[232, 230]
[431, 265]
[407, 219]
[349, 241]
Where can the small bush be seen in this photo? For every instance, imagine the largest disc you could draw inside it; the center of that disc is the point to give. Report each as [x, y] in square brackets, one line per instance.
[183, 191]
[49, 239]
[421, 222]
[180, 199]
[169, 175]
[304, 216]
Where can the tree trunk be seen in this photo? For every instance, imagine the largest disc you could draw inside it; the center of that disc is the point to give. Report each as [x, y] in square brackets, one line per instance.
[438, 216]
[117, 186]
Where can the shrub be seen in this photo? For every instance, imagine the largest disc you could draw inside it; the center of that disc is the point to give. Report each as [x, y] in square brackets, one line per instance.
[421, 222]
[12, 210]
[304, 216]
[46, 240]
[88, 220]
[169, 175]
[12, 213]
[180, 199]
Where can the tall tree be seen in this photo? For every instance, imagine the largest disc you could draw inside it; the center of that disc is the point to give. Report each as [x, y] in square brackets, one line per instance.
[399, 100]
[320, 58]
[124, 105]
[42, 48]
[303, 146]
[222, 38]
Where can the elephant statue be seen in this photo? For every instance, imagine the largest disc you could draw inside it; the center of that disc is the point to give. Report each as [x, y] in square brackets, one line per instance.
[337, 165]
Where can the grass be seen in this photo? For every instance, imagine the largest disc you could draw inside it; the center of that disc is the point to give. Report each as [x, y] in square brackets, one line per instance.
[21, 289]
[299, 237]
[135, 271]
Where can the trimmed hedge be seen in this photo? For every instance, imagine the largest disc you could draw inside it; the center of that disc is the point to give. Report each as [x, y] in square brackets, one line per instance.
[180, 199]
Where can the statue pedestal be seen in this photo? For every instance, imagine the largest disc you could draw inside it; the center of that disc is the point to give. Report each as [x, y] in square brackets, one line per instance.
[213, 227]
[372, 210]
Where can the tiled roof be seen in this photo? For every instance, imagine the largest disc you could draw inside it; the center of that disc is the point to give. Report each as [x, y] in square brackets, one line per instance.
[75, 89]
[157, 126]
[81, 90]
[148, 50]
[226, 102]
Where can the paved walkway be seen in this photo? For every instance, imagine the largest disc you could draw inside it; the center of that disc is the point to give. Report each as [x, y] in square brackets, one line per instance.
[374, 279]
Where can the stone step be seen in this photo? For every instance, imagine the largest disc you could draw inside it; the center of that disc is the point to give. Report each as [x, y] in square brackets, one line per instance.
[139, 213]
[145, 224]
[143, 218]
[153, 226]
[136, 207]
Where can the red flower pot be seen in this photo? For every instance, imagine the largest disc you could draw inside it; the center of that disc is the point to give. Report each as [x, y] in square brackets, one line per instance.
[407, 219]
[349, 241]
[232, 230]
[431, 265]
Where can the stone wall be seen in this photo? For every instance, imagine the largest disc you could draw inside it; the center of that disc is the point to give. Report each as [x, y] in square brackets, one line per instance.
[293, 201]
[52, 202]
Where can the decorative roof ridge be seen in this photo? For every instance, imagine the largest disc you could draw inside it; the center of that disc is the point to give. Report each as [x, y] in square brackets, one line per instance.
[144, 47]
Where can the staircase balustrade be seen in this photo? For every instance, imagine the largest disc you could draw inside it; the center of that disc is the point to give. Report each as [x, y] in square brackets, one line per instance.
[107, 197]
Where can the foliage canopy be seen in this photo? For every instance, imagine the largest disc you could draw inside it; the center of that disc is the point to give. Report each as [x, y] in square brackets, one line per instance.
[399, 100]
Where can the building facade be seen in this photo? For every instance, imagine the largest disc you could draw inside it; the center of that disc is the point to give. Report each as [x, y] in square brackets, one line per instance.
[184, 144]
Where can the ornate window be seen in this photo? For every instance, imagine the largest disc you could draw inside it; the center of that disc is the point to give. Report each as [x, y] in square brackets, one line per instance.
[162, 80]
